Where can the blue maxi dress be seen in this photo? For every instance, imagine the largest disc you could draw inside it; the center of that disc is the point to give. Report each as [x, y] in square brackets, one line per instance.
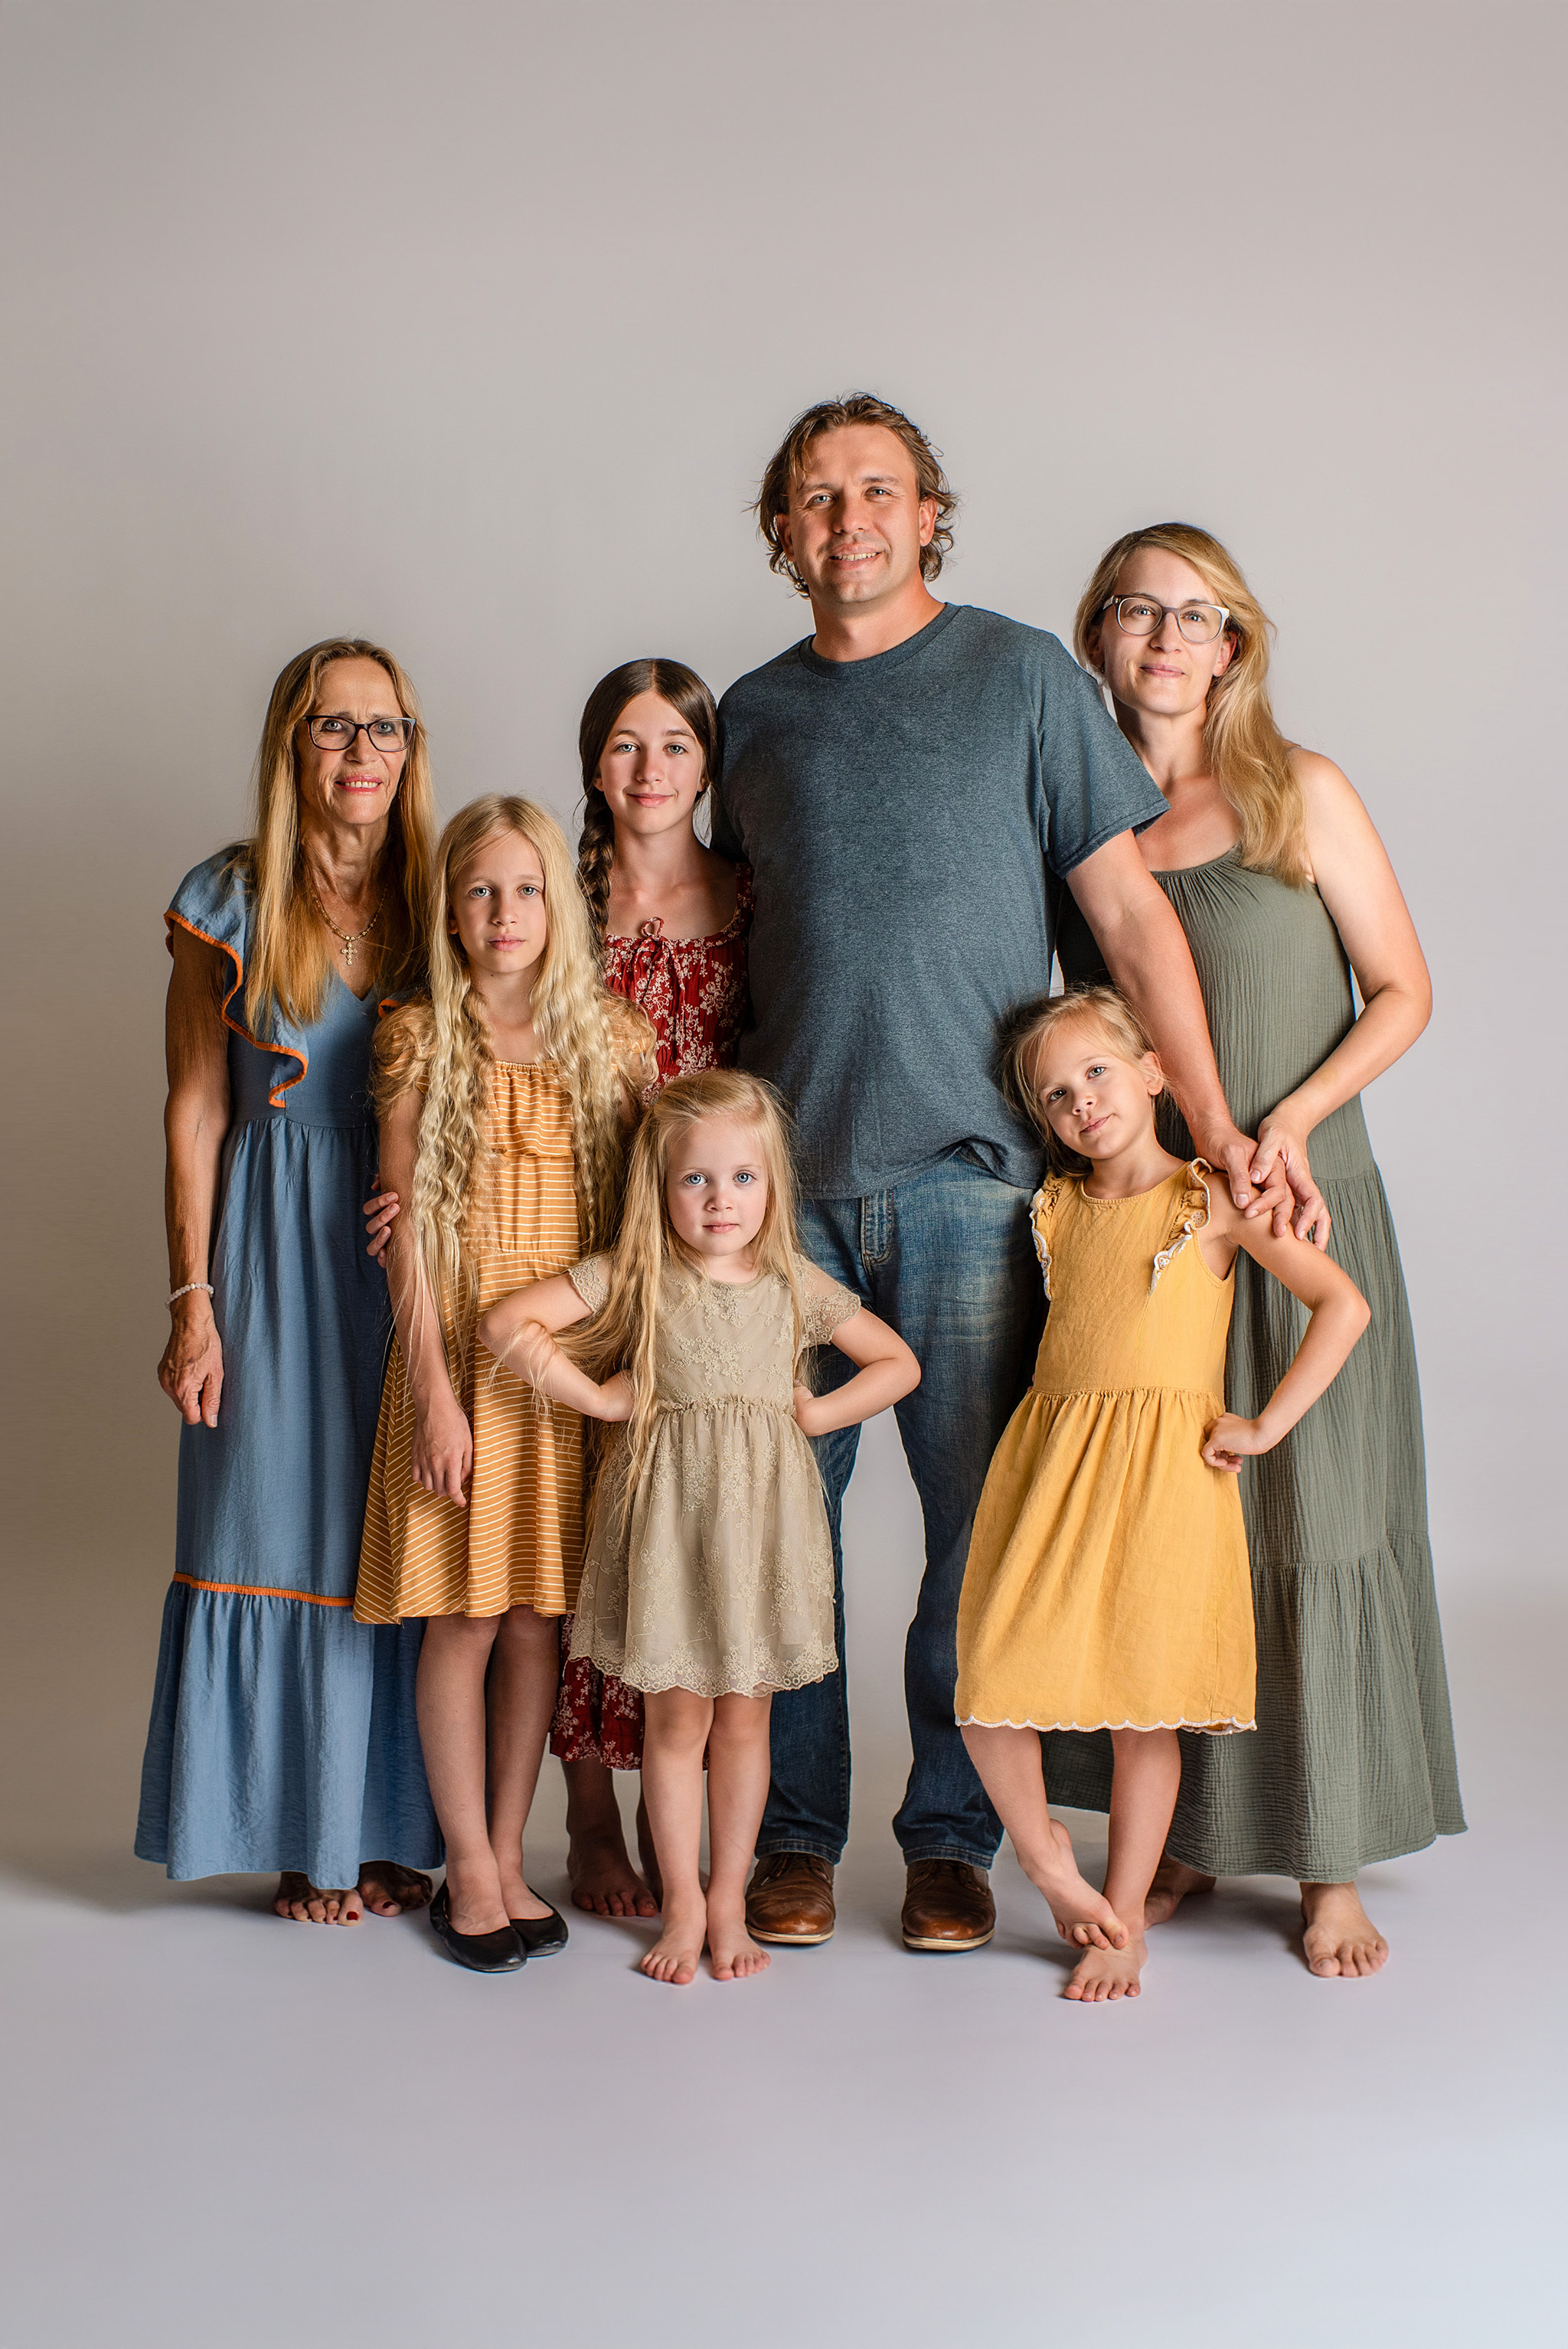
[283, 1733]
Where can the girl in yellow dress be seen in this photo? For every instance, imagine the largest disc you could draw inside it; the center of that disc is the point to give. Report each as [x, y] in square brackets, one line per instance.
[504, 1100]
[1107, 1584]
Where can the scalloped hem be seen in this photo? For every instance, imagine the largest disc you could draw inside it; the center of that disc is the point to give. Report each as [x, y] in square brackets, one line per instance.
[1205, 1728]
[716, 1684]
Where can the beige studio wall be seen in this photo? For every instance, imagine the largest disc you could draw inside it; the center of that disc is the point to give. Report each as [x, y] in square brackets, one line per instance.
[471, 328]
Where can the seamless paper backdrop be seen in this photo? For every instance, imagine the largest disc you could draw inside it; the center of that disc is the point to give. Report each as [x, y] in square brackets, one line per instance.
[471, 328]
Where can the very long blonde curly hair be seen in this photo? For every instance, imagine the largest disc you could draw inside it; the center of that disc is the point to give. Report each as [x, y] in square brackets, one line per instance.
[624, 1335]
[602, 1047]
[1248, 756]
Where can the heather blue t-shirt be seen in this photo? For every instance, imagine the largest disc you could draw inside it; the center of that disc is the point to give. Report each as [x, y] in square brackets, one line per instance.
[900, 816]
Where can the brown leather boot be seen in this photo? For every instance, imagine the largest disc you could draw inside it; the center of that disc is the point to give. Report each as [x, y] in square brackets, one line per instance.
[790, 1899]
[947, 1905]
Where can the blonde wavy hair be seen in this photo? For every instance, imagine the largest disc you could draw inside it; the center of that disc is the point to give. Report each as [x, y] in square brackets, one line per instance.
[291, 949]
[1034, 1024]
[624, 1335]
[1248, 756]
[602, 1048]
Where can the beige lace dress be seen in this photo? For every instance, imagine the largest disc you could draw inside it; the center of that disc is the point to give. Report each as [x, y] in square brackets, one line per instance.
[719, 1577]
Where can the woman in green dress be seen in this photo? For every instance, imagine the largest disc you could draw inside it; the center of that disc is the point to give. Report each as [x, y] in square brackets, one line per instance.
[1284, 890]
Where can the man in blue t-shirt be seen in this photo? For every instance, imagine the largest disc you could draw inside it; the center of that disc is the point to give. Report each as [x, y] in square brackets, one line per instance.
[907, 784]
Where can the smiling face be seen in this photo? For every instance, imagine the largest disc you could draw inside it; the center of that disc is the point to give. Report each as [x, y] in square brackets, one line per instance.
[355, 780]
[1094, 1102]
[1161, 674]
[651, 771]
[856, 521]
[497, 911]
[715, 1189]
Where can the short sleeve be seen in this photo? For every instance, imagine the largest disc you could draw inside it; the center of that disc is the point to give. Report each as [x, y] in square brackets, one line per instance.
[591, 1280]
[1096, 784]
[826, 1310]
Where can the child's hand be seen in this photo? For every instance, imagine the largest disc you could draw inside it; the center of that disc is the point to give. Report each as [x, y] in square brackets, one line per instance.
[443, 1450]
[616, 1398]
[807, 1412]
[1230, 1441]
[380, 1214]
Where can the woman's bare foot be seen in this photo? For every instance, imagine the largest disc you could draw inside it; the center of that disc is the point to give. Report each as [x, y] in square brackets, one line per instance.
[1109, 1973]
[1082, 1917]
[673, 1956]
[603, 1881]
[1173, 1882]
[387, 1889]
[731, 1952]
[521, 1898]
[307, 1904]
[1338, 1935]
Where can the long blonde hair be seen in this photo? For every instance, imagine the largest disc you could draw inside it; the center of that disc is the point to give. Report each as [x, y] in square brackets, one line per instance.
[624, 1335]
[1034, 1024]
[602, 1049]
[1248, 756]
[291, 949]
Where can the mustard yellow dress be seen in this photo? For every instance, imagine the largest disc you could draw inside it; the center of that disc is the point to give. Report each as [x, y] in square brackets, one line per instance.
[518, 1543]
[1107, 1584]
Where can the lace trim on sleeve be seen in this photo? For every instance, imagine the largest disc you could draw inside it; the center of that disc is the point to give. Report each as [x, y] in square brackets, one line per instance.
[1195, 1214]
[591, 1280]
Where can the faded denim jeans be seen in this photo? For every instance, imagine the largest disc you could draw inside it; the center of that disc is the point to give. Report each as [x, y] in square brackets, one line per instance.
[948, 1258]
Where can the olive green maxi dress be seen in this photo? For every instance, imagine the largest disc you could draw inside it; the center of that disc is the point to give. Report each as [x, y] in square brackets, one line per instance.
[1353, 1757]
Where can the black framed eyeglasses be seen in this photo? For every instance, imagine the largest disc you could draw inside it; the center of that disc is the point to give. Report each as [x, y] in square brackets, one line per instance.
[341, 733]
[1141, 616]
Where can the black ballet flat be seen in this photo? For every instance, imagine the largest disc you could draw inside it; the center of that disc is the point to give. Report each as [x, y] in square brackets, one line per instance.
[541, 1937]
[499, 1952]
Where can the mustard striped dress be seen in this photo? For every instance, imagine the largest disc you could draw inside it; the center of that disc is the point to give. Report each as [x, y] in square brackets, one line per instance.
[518, 1543]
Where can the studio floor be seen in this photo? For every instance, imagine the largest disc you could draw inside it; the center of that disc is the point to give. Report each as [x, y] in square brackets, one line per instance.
[226, 2129]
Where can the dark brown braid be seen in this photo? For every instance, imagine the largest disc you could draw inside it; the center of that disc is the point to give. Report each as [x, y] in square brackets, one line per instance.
[685, 693]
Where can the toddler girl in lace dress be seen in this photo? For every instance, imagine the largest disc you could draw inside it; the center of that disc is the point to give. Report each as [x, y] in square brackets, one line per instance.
[708, 1578]
[1107, 1583]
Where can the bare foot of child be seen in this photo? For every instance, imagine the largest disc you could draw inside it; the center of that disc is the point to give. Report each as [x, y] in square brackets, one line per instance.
[731, 1952]
[1173, 1883]
[1338, 1936]
[1082, 1917]
[673, 1956]
[1109, 1973]
[388, 1890]
[307, 1904]
[603, 1881]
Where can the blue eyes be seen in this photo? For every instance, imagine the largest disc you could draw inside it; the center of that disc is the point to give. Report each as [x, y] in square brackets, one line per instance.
[741, 1179]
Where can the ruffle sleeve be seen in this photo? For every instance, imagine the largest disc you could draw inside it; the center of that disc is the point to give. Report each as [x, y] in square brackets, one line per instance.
[1043, 1222]
[213, 903]
[1193, 1214]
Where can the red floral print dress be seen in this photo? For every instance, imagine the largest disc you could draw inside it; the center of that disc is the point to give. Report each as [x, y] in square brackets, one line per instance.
[695, 993]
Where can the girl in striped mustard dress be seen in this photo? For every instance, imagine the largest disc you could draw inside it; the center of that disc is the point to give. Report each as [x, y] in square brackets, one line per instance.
[504, 1101]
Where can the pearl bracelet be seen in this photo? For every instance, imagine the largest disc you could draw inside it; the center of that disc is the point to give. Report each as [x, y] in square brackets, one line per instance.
[188, 1286]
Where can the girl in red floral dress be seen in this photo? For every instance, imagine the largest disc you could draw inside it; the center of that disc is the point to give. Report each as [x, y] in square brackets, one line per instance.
[671, 918]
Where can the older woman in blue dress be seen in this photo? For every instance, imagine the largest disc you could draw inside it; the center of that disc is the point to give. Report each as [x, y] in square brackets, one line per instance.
[284, 1733]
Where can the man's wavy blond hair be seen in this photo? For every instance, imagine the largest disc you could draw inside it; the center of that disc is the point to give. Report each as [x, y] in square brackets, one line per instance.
[602, 1048]
[788, 463]
[624, 1335]
[291, 949]
[1248, 756]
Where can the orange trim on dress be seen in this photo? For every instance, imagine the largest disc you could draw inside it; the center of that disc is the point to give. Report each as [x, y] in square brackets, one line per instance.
[260, 1590]
[285, 1051]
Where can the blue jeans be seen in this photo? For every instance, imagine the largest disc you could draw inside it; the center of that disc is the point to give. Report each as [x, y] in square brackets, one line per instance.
[948, 1259]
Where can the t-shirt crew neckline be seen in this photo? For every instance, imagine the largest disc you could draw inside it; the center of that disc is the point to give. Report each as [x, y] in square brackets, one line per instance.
[876, 663]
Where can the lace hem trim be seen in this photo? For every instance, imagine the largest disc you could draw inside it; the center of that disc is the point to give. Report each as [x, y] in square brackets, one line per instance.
[1196, 1195]
[780, 1681]
[1207, 1728]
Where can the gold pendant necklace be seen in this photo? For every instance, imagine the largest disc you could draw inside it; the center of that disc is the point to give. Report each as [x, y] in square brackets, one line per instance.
[349, 939]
